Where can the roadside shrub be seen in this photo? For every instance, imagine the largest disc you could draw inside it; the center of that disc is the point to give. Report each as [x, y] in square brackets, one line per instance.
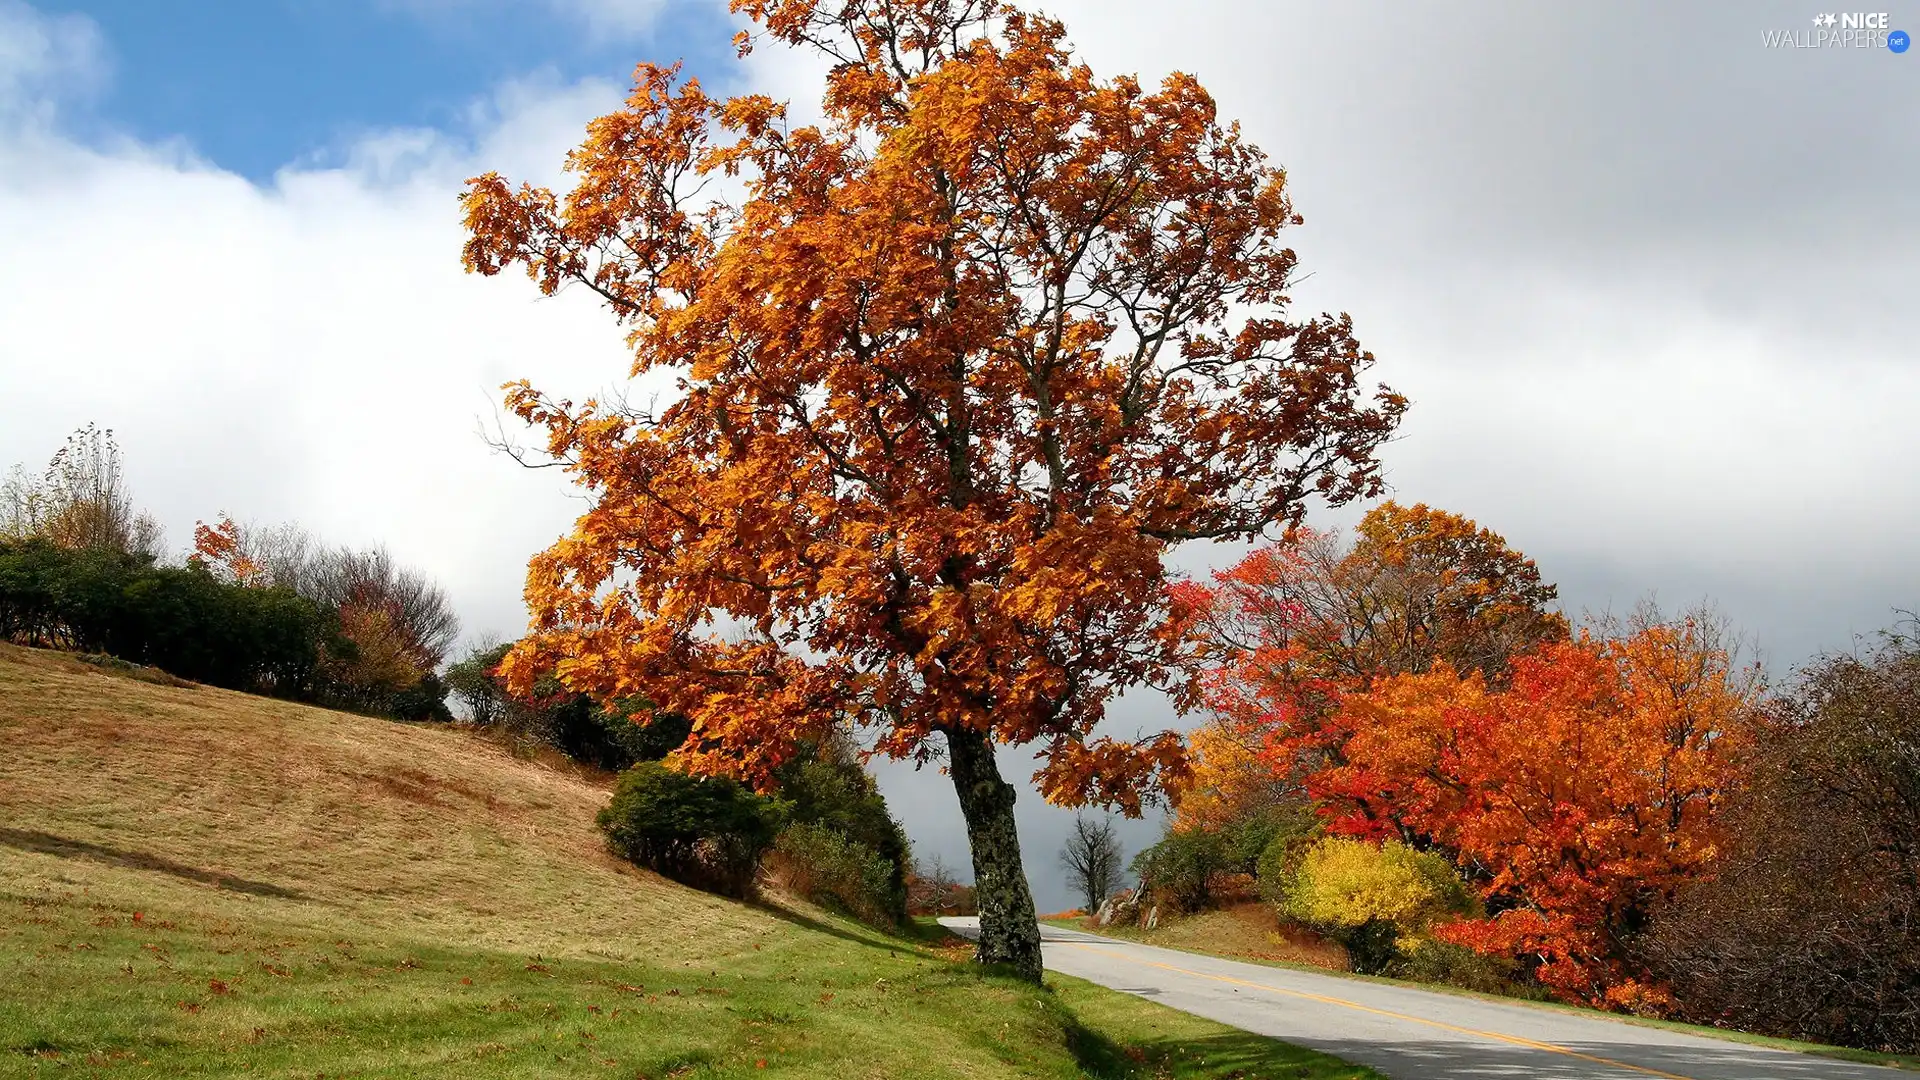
[704, 831]
[835, 871]
[1371, 899]
[1229, 887]
[1287, 844]
[840, 796]
[1429, 960]
[1179, 871]
[1246, 838]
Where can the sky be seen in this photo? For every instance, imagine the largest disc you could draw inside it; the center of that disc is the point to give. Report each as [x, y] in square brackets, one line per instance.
[1648, 281]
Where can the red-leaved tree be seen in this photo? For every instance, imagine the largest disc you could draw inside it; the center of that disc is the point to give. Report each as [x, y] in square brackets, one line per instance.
[1578, 798]
[1297, 626]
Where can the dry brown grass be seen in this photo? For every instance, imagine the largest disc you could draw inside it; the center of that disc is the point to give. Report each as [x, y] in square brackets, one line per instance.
[1250, 930]
[326, 817]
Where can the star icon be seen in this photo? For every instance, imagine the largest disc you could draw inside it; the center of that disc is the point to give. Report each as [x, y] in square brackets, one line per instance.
[1829, 19]
[1819, 20]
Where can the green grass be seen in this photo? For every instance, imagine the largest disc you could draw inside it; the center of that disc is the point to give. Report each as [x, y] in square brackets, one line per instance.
[1171, 933]
[197, 883]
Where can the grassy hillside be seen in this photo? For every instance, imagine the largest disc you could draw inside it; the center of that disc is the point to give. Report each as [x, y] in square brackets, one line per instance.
[195, 882]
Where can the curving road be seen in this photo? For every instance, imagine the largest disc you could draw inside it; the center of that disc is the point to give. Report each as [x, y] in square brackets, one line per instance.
[1413, 1034]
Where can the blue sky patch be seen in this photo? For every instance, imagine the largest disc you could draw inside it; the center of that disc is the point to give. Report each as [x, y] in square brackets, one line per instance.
[254, 85]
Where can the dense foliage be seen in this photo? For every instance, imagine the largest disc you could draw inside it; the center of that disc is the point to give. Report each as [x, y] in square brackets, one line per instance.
[398, 623]
[1179, 871]
[179, 619]
[1414, 688]
[1580, 797]
[1296, 626]
[1287, 844]
[829, 868]
[1377, 899]
[832, 792]
[266, 611]
[613, 736]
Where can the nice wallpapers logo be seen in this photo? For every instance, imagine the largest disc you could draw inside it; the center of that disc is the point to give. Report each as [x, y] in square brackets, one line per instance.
[1845, 30]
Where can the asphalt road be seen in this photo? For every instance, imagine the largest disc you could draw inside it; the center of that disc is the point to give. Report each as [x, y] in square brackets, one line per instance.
[1413, 1034]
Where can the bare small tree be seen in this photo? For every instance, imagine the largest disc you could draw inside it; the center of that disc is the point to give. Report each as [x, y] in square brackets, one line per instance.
[81, 502]
[935, 889]
[1093, 860]
[344, 579]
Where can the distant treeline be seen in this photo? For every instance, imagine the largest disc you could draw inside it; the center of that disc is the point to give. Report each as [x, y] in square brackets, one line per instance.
[267, 611]
[176, 618]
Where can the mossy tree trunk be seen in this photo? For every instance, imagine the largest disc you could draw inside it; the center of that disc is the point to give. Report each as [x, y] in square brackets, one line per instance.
[1009, 929]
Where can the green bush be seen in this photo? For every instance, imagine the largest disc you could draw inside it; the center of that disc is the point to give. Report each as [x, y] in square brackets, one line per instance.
[833, 870]
[1425, 959]
[1246, 838]
[425, 700]
[618, 735]
[612, 737]
[1287, 844]
[1178, 871]
[842, 797]
[704, 831]
[1371, 899]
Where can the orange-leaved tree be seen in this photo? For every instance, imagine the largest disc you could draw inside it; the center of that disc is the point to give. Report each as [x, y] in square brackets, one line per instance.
[953, 372]
[222, 549]
[1579, 797]
[1295, 627]
[1229, 780]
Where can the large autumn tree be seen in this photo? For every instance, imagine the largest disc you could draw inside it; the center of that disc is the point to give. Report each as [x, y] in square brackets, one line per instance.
[953, 371]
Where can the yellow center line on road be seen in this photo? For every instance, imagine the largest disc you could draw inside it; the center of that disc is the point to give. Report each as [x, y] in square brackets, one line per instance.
[1515, 1040]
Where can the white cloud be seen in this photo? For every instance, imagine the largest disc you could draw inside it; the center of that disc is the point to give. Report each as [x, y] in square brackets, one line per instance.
[309, 349]
[614, 17]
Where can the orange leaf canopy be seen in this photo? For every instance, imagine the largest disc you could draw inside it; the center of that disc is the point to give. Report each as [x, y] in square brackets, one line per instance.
[952, 373]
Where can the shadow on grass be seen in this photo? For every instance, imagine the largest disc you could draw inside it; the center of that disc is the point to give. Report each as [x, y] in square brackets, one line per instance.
[1234, 1053]
[42, 843]
[873, 937]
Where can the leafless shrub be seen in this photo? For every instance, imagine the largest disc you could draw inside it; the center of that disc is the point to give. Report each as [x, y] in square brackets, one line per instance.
[1811, 926]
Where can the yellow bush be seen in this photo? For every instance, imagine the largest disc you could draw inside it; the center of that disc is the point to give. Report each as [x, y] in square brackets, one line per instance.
[1343, 884]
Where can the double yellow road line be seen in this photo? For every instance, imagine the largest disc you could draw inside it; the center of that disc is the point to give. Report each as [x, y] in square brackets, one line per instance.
[1512, 1040]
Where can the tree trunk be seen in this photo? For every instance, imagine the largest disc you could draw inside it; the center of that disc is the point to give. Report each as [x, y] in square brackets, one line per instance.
[1009, 931]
